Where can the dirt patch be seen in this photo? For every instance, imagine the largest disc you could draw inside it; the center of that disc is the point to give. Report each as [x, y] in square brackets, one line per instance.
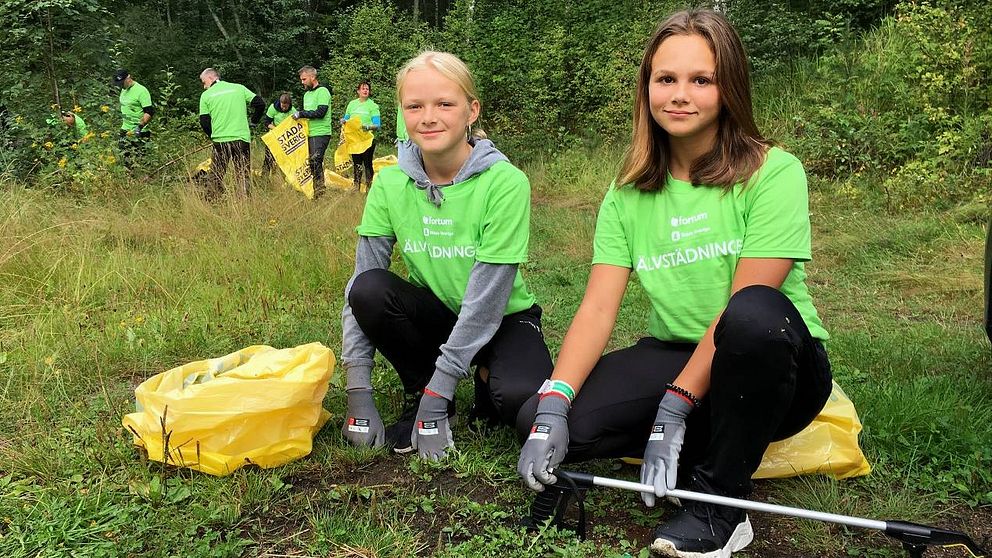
[614, 518]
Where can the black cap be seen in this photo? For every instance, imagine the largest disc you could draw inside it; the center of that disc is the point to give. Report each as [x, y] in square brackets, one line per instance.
[120, 76]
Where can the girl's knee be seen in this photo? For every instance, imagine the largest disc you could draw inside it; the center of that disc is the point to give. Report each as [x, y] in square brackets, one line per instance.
[368, 288]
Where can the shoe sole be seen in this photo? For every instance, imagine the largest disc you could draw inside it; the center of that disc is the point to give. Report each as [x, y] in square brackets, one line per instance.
[741, 537]
[403, 451]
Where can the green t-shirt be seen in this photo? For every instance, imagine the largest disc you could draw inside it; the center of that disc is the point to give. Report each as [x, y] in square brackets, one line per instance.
[313, 99]
[227, 105]
[363, 110]
[401, 133]
[684, 243]
[485, 218]
[133, 101]
[80, 128]
[278, 116]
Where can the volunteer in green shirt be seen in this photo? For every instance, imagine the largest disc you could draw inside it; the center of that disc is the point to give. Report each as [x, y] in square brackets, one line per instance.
[76, 123]
[224, 118]
[459, 213]
[368, 111]
[317, 111]
[714, 221]
[136, 112]
[279, 110]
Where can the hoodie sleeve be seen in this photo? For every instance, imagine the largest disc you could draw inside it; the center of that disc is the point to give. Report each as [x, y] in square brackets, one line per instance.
[486, 296]
[357, 352]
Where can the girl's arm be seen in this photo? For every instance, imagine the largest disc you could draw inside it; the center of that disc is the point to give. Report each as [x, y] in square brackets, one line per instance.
[772, 272]
[357, 352]
[592, 325]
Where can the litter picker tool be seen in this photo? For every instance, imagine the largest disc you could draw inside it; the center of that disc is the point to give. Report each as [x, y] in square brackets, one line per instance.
[915, 538]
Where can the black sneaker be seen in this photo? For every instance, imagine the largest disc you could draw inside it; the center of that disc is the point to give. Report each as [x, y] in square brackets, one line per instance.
[703, 531]
[398, 433]
[551, 503]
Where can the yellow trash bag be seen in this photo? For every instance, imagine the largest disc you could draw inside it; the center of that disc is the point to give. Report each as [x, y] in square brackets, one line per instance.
[354, 140]
[829, 445]
[259, 406]
[288, 144]
[382, 162]
[332, 178]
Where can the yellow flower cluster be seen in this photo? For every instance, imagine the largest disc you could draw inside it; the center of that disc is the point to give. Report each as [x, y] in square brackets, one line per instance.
[49, 145]
[63, 162]
[77, 108]
[104, 108]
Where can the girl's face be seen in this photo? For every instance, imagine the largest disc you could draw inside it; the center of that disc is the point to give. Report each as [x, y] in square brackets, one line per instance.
[363, 91]
[684, 98]
[437, 111]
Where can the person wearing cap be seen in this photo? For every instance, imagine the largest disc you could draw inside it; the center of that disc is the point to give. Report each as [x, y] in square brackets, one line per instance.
[317, 110]
[136, 111]
[224, 118]
[75, 123]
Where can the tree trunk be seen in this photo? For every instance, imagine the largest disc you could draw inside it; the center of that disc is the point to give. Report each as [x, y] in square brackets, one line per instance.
[51, 61]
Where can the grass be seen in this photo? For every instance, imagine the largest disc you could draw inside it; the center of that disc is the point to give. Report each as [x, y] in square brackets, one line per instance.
[99, 292]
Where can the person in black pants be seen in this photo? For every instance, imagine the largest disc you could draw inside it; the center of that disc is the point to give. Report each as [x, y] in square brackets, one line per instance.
[459, 213]
[714, 221]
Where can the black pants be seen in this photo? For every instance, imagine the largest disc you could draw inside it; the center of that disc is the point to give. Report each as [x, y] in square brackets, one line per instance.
[268, 161]
[317, 146]
[769, 379]
[238, 154]
[408, 325]
[361, 163]
[132, 147]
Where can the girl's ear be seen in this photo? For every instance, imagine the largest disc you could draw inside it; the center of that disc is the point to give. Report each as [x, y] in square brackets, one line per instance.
[473, 111]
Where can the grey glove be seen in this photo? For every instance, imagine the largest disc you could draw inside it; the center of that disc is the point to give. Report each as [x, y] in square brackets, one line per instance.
[661, 456]
[296, 115]
[137, 130]
[363, 426]
[546, 445]
[431, 435]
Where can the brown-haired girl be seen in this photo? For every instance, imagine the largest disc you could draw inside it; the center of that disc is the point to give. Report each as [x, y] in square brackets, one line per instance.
[714, 221]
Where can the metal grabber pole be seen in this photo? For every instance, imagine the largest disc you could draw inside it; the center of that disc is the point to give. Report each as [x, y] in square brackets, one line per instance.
[915, 538]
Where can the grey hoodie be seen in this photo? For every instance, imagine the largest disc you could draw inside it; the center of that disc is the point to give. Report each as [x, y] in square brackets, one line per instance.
[486, 294]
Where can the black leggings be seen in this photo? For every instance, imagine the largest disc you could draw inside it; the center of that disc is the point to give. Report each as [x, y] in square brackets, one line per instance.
[363, 162]
[769, 379]
[408, 325]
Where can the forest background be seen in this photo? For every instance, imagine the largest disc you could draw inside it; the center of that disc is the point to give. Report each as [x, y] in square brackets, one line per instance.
[109, 276]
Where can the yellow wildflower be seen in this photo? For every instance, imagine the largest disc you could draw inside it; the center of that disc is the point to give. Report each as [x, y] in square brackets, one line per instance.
[63, 162]
[104, 108]
[49, 145]
[77, 108]
[34, 145]
[18, 119]
[74, 146]
[50, 360]
[139, 319]
[104, 135]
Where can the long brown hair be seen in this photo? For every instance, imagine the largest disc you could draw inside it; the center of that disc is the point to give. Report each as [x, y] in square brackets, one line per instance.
[739, 149]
